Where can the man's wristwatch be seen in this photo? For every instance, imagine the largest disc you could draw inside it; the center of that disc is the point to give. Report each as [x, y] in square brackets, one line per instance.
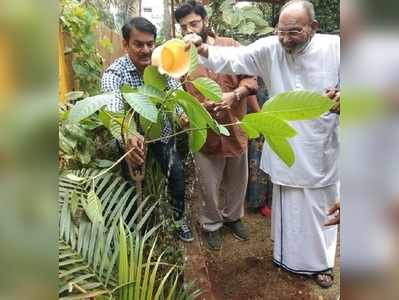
[237, 95]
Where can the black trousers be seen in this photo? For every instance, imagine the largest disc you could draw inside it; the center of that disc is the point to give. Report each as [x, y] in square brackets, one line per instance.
[172, 167]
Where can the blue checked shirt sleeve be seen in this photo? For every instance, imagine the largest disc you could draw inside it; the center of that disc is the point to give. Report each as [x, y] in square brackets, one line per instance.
[173, 83]
[111, 82]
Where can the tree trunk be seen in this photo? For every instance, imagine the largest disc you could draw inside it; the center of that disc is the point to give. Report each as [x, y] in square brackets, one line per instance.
[134, 8]
[167, 20]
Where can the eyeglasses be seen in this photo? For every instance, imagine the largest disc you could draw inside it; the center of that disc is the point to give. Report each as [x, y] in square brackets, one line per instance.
[192, 24]
[292, 33]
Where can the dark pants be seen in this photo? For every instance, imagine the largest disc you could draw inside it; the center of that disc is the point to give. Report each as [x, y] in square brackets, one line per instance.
[171, 163]
[172, 167]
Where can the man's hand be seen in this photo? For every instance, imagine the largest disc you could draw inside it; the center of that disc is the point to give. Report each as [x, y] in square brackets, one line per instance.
[335, 212]
[228, 100]
[210, 107]
[184, 121]
[193, 38]
[335, 95]
[196, 40]
[136, 145]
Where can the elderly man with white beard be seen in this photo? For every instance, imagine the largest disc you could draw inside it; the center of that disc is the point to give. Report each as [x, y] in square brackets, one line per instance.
[297, 58]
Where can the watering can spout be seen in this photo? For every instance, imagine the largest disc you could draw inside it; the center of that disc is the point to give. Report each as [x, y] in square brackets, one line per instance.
[172, 58]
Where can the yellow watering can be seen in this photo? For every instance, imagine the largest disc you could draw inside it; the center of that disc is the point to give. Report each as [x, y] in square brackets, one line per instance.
[172, 58]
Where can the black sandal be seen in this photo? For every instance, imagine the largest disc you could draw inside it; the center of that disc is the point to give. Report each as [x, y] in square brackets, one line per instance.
[324, 279]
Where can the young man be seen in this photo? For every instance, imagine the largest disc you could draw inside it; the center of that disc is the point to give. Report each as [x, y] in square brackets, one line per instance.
[223, 162]
[139, 36]
[296, 59]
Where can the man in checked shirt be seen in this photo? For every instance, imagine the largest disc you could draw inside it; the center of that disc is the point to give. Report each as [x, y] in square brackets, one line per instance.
[139, 36]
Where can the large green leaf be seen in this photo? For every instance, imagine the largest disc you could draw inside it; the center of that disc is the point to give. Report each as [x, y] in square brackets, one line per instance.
[93, 208]
[268, 124]
[151, 92]
[87, 107]
[259, 21]
[75, 95]
[193, 59]
[253, 14]
[115, 129]
[265, 30]
[195, 110]
[142, 105]
[128, 123]
[282, 148]
[198, 117]
[85, 152]
[251, 132]
[154, 78]
[105, 118]
[208, 88]
[125, 88]
[247, 28]
[151, 130]
[111, 123]
[67, 145]
[227, 4]
[298, 105]
[170, 106]
[231, 17]
[197, 139]
[76, 132]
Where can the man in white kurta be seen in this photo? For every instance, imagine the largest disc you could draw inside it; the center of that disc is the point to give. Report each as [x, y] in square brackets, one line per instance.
[296, 59]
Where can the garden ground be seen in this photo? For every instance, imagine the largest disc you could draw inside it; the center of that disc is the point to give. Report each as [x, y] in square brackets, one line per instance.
[243, 270]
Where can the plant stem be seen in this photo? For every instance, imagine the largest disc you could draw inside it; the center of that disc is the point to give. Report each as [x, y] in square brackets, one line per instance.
[123, 125]
[163, 104]
[231, 124]
[188, 130]
[113, 165]
[152, 141]
[157, 139]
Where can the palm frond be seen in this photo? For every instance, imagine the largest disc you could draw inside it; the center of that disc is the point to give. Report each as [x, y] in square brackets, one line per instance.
[88, 215]
[107, 247]
[77, 277]
[138, 276]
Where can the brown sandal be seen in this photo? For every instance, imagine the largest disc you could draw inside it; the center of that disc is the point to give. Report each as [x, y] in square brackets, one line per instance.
[324, 279]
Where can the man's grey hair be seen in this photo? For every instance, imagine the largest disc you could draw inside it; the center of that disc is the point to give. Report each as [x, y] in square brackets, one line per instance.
[307, 5]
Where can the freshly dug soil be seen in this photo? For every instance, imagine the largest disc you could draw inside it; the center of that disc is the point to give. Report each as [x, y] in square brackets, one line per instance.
[243, 270]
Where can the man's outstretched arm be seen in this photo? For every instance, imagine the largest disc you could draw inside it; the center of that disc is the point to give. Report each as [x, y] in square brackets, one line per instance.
[227, 60]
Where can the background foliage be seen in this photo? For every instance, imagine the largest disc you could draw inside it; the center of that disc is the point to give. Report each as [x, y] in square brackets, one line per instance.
[327, 13]
[232, 21]
[244, 24]
[80, 21]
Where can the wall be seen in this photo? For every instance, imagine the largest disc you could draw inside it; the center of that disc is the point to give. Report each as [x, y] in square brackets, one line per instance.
[66, 77]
